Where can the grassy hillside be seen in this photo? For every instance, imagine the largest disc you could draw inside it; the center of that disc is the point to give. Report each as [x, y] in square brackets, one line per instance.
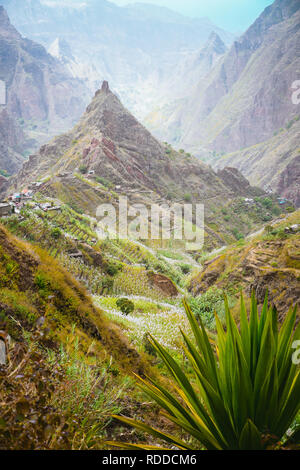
[270, 261]
[69, 366]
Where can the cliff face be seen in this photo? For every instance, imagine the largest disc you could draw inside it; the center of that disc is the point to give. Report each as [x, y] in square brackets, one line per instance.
[40, 94]
[270, 263]
[245, 101]
[135, 47]
[273, 164]
[249, 92]
[11, 141]
[191, 72]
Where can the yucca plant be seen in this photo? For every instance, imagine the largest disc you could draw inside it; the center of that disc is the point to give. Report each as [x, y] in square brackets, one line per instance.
[246, 391]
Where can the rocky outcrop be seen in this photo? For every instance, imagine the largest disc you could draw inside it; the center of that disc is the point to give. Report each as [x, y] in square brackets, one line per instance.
[273, 165]
[3, 185]
[261, 265]
[163, 283]
[11, 141]
[289, 181]
[233, 179]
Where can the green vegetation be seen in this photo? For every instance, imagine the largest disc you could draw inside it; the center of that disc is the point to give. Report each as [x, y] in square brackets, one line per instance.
[56, 233]
[105, 182]
[83, 169]
[92, 351]
[207, 305]
[247, 392]
[125, 305]
[237, 234]
[187, 197]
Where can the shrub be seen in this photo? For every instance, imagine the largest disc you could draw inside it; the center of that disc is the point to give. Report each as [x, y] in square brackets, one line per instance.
[187, 197]
[41, 281]
[249, 386]
[207, 304]
[56, 233]
[148, 347]
[237, 234]
[103, 181]
[113, 267]
[83, 169]
[125, 305]
[185, 268]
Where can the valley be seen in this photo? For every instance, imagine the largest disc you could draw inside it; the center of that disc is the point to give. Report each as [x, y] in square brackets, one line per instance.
[115, 332]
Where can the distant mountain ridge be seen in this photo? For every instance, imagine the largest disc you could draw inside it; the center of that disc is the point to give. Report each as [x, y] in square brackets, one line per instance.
[42, 96]
[248, 94]
[135, 47]
[244, 101]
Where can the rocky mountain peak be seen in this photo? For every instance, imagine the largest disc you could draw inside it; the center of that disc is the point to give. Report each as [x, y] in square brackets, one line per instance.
[215, 43]
[105, 87]
[6, 28]
[60, 48]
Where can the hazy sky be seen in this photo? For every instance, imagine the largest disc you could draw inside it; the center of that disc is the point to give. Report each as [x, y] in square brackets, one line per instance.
[233, 15]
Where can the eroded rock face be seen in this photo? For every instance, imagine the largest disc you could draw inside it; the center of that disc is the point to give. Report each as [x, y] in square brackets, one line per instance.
[272, 265]
[249, 93]
[11, 141]
[3, 185]
[289, 182]
[236, 181]
[39, 89]
[163, 283]
[273, 164]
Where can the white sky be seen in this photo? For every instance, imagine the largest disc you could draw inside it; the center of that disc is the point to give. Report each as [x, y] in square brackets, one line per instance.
[233, 15]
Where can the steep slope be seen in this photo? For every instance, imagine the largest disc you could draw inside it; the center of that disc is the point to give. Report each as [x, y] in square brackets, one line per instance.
[12, 142]
[248, 96]
[132, 47]
[174, 90]
[38, 286]
[245, 100]
[268, 262]
[67, 366]
[109, 153]
[42, 98]
[273, 164]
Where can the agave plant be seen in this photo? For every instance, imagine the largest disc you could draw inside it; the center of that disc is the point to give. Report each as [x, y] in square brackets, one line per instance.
[246, 388]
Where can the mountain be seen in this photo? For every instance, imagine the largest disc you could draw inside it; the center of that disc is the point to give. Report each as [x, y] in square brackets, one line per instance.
[11, 141]
[249, 92]
[273, 164]
[269, 262]
[133, 47]
[42, 98]
[189, 74]
[109, 153]
[245, 103]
